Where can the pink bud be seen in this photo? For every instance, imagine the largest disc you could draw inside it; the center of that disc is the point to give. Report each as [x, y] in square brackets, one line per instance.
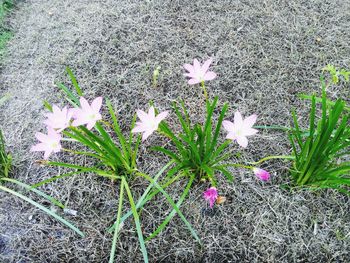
[211, 195]
[262, 174]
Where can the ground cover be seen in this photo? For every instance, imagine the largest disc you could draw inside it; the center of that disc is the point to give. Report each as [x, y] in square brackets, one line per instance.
[264, 52]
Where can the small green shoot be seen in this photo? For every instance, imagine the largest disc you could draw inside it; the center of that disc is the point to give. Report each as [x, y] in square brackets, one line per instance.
[156, 76]
[5, 158]
[335, 73]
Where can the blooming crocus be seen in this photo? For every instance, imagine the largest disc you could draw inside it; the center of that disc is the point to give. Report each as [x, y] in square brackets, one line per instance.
[210, 195]
[198, 73]
[58, 119]
[149, 122]
[261, 174]
[240, 129]
[87, 114]
[49, 143]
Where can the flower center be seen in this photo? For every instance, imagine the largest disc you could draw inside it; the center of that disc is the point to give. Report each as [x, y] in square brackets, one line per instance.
[92, 116]
[200, 76]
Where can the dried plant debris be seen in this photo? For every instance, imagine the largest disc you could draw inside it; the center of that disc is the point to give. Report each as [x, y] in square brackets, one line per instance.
[264, 52]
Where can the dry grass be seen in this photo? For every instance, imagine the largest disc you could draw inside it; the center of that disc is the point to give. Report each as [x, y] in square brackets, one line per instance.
[265, 52]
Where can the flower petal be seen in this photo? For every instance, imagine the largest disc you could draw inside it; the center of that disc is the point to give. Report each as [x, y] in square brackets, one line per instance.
[189, 68]
[38, 147]
[47, 154]
[206, 65]
[228, 126]
[151, 113]
[209, 75]
[238, 119]
[250, 131]
[242, 141]
[90, 124]
[78, 122]
[55, 109]
[146, 134]
[249, 121]
[190, 75]
[84, 104]
[197, 66]
[231, 136]
[139, 128]
[143, 116]
[161, 116]
[96, 104]
[193, 81]
[41, 137]
[52, 134]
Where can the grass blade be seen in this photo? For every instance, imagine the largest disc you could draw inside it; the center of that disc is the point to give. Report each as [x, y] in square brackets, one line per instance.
[141, 202]
[30, 188]
[116, 231]
[175, 209]
[137, 222]
[43, 208]
[74, 81]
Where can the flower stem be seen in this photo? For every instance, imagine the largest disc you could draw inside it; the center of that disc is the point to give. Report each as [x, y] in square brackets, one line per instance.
[204, 90]
[287, 157]
[239, 165]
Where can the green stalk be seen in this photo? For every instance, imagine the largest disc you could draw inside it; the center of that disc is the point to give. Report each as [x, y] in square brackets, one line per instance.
[137, 222]
[287, 157]
[204, 90]
[116, 231]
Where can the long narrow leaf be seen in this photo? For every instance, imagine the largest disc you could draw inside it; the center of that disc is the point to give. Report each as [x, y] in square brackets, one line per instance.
[30, 188]
[74, 81]
[43, 208]
[137, 222]
[116, 231]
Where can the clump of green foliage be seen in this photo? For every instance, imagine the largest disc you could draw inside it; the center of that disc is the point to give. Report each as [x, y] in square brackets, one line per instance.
[198, 150]
[321, 154]
[115, 156]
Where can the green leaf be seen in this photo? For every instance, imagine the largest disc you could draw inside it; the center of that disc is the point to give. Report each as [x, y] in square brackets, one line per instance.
[167, 152]
[143, 199]
[225, 172]
[47, 105]
[71, 97]
[30, 188]
[175, 209]
[116, 231]
[137, 222]
[74, 81]
[54, 178]
[47, 211]
[117, 129]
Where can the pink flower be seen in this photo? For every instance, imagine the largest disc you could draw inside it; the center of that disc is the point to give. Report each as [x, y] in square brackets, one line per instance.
[261, 174]
[198, 73]
[240, 129]
[58, 119]
[210, 195]
[48, 143]
[149, 122]
[87, 114]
